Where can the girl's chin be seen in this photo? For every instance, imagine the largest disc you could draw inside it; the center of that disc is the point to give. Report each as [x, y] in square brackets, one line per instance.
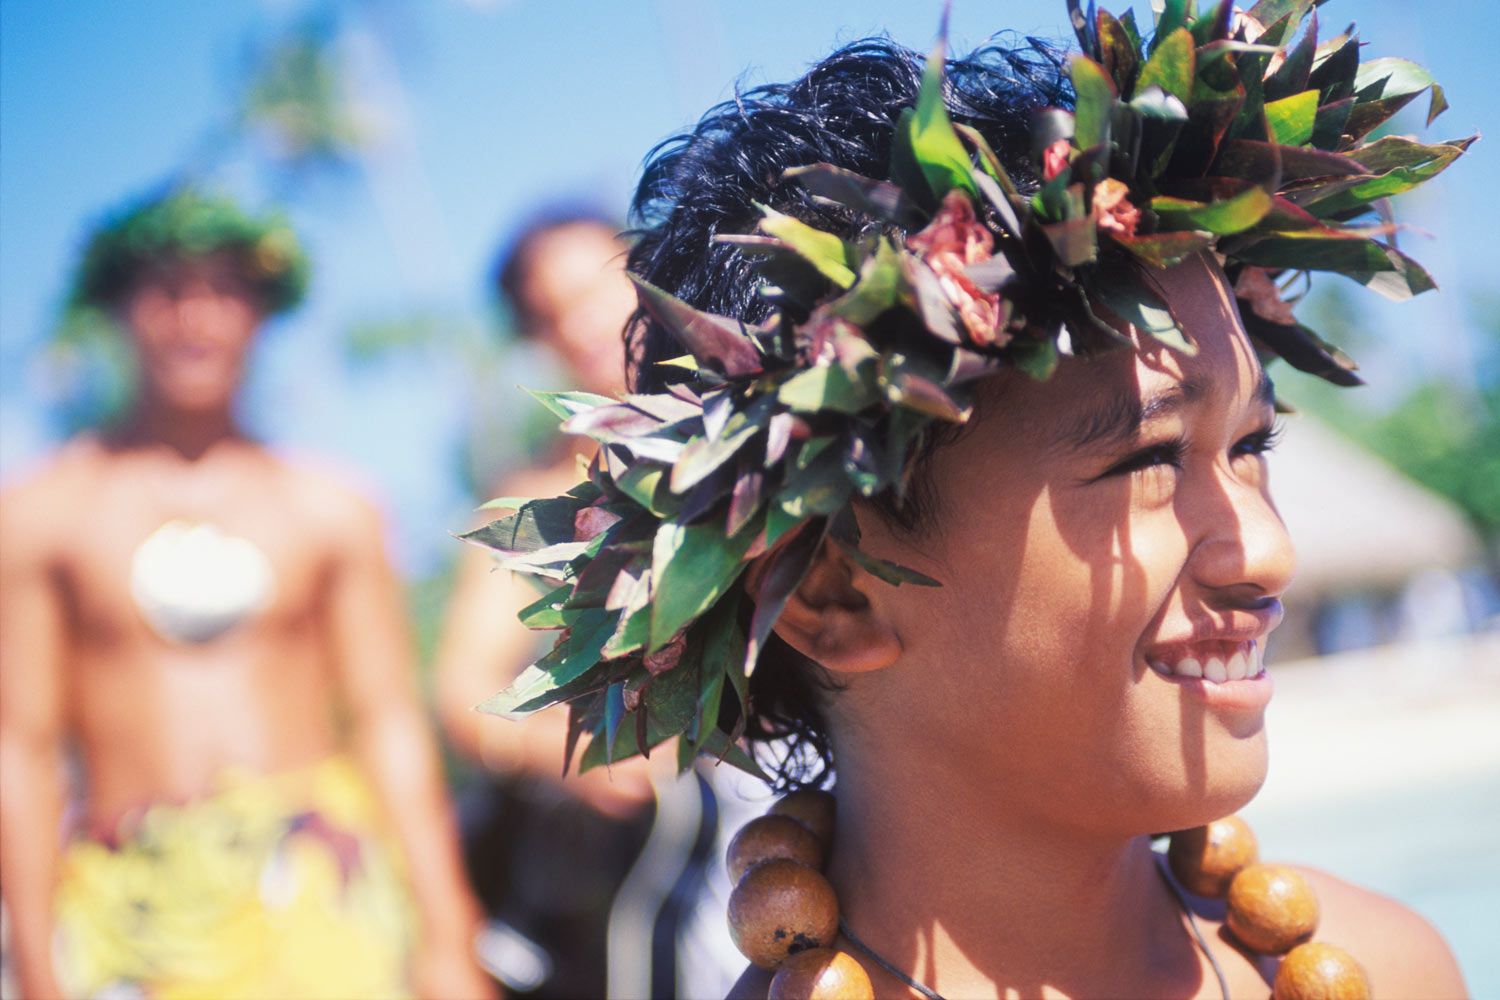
[1210, 787]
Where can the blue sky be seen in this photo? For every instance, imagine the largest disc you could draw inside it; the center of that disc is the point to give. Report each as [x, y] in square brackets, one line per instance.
[488, 107]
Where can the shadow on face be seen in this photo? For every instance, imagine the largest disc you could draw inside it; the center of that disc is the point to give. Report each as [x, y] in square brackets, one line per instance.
[1115, 514]
[191, 323]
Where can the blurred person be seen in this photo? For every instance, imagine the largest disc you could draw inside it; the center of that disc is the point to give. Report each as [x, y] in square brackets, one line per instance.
[216, 632]
[549, 855]
[563, 279]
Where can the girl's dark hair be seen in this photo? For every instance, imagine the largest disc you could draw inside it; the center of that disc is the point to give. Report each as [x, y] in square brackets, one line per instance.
[707, 181]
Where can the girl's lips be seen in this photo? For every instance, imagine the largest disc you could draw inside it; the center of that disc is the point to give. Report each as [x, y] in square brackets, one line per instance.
[1252, 694]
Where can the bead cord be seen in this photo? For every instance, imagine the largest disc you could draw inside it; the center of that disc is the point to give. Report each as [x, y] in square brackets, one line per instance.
[1166, 876]
[876, 957]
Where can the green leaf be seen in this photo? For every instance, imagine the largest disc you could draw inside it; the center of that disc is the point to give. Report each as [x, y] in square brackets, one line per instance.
[1132, 301]
[1291, 77]
[907, 388]
[538, 525]
[1095, 98]
[716, 342]
[633, 631]
[833, 258]
[1213, 24]
[1117, 52]
[1232, 215]
[1302, 349]
[705, 454]
[1384, 269]
[1171, 67]
[1268, 12]
[1401, 281]
[1291, 119]
[1335, 67]
[568, 660]
[1358, 196]
[692, 566]
[1395, 151]
[1074, 240]
[877, 289]
[640, 483]
[988, 161]
[569, 404]
[505, 503]
[547, 612]
[862, 194]
[1162, 118]
[883, 569]
[717, 745]
[825, 388]
[1166, 249]
[785, 570]
[929, 137]
[1390, 79]
[1173, 15]
[1037, 358]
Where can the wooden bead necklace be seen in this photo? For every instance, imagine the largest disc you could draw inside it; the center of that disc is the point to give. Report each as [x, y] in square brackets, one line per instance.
[784, 914]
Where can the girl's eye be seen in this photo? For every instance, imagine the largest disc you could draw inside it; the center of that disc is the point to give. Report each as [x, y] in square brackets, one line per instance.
[1258, 443]
[1167, 453]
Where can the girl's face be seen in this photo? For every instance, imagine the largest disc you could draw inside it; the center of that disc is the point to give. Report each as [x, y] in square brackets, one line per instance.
[1099, 536]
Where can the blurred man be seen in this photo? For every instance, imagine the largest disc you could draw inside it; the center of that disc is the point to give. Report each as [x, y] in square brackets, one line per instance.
[546, 854]
[217, 633]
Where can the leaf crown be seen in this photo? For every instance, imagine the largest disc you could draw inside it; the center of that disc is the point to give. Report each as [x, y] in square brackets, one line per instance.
[186, 223]
[1233, 132]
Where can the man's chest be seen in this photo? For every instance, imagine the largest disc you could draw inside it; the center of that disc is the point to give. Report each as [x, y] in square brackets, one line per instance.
[143, 567]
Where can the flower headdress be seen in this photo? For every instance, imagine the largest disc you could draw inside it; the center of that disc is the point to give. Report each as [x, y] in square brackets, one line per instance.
[1237, 133]
[186, 223]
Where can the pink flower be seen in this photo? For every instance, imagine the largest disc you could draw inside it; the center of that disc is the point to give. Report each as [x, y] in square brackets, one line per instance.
[953, 240]
[1113, 211]
[1255, 286]
[1055, 158]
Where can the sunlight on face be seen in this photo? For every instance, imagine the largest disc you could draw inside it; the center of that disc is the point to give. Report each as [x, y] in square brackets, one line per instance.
[1115, 514]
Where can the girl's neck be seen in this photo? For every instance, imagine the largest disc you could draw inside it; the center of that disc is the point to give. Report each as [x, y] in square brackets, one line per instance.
[970, 899]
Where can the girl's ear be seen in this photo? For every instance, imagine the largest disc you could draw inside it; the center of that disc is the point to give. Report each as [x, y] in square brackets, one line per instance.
[830, 620]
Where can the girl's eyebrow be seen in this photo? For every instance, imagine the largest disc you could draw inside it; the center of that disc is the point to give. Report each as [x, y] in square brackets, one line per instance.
[1121, 417]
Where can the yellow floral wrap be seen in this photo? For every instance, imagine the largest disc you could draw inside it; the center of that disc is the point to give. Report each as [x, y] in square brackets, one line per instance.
[271, 886]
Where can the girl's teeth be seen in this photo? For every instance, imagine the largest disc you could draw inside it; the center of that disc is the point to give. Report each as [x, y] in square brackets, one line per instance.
[1246, 662]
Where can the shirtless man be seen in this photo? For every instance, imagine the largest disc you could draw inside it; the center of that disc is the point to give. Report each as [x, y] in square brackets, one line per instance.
[210, 627]
[546, 854]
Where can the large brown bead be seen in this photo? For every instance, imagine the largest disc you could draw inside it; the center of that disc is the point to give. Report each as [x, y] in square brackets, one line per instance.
[1317, 971]
[821, 974]
[780, 908]
[812, 808]
[1272, 909]
[771, 837]
[1206, 858]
